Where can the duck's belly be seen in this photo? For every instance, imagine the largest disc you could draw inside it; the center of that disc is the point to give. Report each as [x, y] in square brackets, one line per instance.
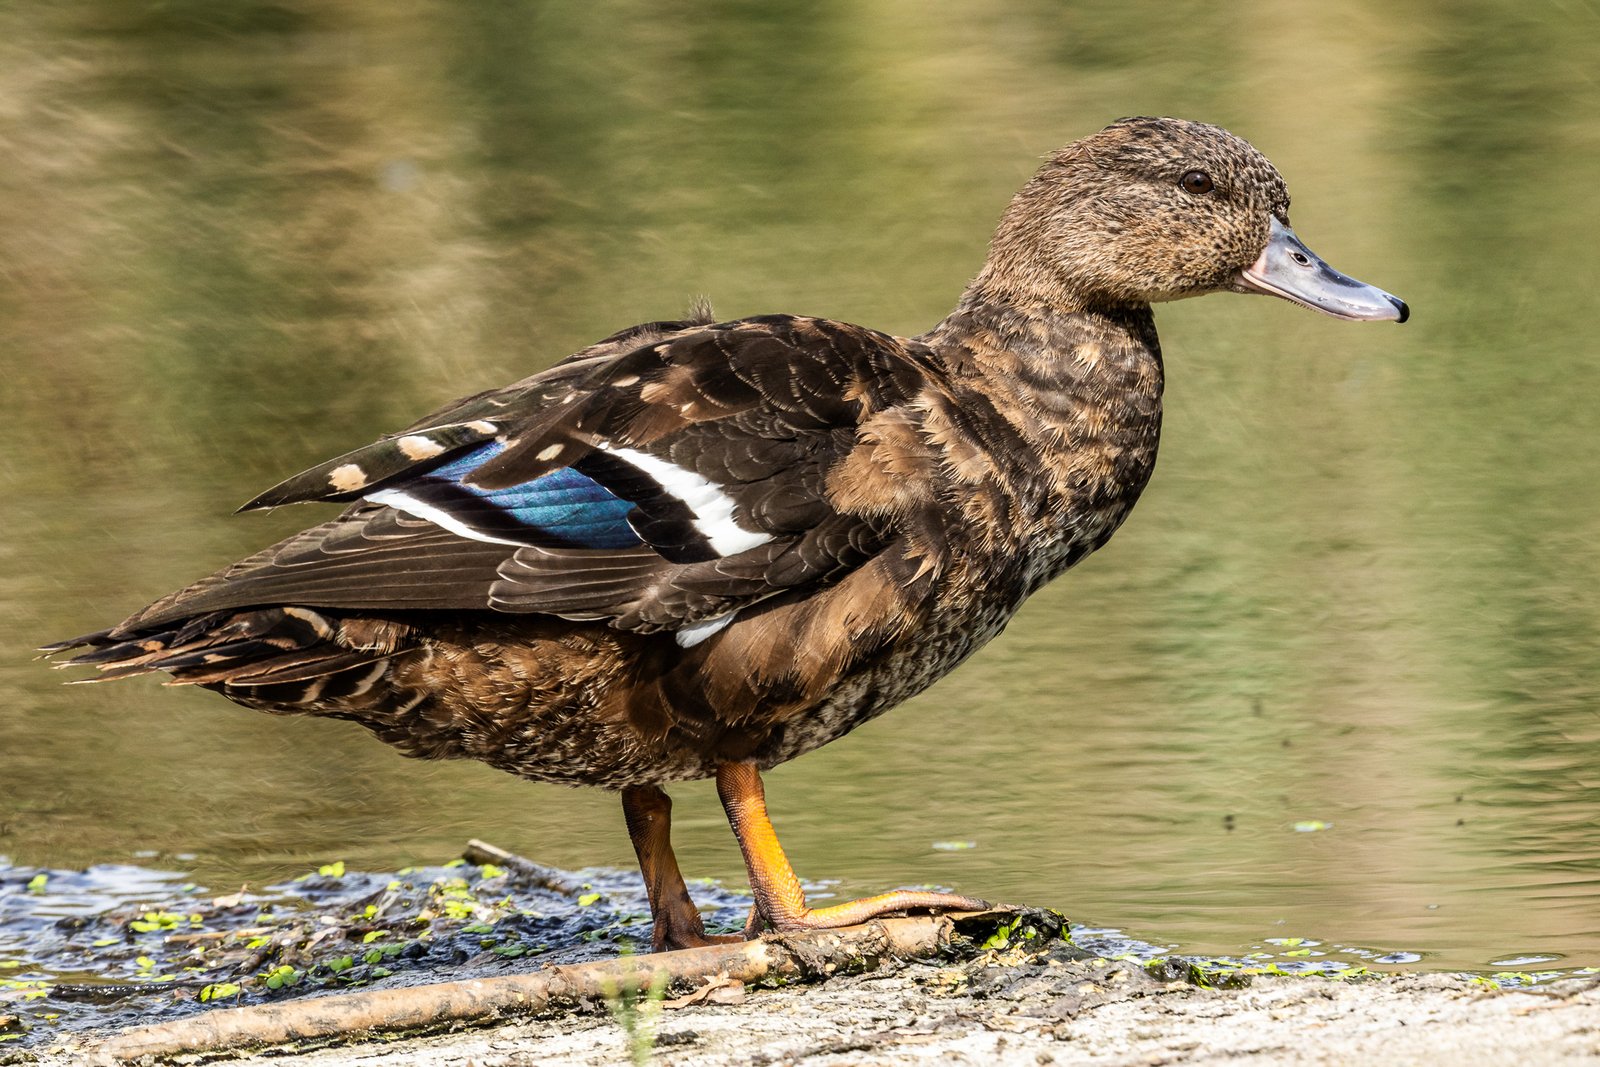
[557, 742]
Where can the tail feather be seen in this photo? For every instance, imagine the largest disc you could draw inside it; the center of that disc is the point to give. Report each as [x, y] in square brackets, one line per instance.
[109, 674]
[283, 670]
[105, 655]
[283, 648]
[56, 647]
[368, 669]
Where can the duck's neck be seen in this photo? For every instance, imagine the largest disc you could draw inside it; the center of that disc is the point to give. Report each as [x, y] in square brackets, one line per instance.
[1080, 386]
[1055, 344]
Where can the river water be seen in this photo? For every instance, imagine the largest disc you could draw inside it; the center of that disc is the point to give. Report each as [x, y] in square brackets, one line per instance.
[1336, 679]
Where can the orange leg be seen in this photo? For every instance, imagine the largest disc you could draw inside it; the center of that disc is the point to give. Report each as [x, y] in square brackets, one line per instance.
[779, 898]
[648, 811]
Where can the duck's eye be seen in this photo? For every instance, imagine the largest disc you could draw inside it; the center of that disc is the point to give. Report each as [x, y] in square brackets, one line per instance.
[1196, 181]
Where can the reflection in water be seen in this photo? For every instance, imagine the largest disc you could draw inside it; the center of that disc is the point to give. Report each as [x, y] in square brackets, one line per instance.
[1361, 592]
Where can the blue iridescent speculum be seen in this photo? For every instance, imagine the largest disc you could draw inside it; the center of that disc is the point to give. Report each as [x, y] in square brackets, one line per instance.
[565, 504]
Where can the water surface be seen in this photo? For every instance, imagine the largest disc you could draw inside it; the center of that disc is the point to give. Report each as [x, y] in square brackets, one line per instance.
[1337, 678]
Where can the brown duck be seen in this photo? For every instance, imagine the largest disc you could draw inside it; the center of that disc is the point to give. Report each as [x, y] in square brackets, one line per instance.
[698, 549]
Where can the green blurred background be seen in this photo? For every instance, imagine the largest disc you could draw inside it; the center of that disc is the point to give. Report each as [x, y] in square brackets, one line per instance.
[1362, 592]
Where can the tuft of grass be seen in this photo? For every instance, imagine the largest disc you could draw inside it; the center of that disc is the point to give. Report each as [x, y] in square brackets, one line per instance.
[638, 1011]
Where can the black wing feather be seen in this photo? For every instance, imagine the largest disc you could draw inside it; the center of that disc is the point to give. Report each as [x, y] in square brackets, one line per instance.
[763, 408]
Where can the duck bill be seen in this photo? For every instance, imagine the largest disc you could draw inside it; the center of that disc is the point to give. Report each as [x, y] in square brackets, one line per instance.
[1287, 268]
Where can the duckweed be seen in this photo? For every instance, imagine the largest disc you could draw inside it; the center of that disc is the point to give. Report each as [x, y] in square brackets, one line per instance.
[171, 951]
[281, 976]
[158, 922]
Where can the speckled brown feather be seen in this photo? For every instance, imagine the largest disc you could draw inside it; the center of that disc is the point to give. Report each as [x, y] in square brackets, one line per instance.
[913, 492]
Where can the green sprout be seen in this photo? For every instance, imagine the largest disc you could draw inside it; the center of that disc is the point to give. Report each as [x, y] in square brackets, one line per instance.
[638, 1015]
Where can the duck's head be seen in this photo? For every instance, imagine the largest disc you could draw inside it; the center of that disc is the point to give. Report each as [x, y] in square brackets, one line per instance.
[1153, 209]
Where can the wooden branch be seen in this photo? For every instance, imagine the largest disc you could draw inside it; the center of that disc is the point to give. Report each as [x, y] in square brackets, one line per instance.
[808, 956]
[528, 872]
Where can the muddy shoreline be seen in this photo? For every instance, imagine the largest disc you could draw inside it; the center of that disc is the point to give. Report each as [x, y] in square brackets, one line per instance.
[895, 1020]
[1011, 992]
[1038, 1008]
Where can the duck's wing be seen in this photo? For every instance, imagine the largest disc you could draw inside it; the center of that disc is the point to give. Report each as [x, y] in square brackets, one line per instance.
[658, 486]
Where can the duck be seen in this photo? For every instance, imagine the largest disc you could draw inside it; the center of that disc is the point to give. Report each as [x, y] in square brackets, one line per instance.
[698, 549]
